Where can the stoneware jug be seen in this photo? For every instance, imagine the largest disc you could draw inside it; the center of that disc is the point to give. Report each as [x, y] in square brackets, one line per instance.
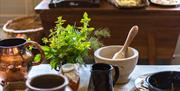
[16, 60]
[101, 77]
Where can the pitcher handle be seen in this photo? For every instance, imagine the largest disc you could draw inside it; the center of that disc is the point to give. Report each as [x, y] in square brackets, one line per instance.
[32, 43]
[116, 76]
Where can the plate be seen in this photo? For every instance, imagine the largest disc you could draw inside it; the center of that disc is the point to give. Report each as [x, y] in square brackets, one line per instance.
[130, 3]
[141, 84]
[166, 2]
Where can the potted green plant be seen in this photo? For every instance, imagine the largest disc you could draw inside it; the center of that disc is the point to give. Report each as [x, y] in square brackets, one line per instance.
[71, 44]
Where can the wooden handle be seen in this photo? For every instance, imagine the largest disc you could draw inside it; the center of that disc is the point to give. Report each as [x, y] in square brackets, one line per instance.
[132, 33]
[122, 53]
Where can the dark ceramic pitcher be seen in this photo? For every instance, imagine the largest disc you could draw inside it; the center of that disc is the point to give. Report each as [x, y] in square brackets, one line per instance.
[101, 77]
[15, 59]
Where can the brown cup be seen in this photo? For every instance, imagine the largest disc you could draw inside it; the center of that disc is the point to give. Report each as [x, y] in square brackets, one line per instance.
[47, 82]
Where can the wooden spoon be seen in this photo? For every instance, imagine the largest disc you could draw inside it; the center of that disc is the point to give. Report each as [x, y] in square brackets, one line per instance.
[123, 51]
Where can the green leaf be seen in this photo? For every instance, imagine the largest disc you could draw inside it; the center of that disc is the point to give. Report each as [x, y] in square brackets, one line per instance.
[54, 63]
[37, 58]
[95, 44]
[45, 48]
[104, 32]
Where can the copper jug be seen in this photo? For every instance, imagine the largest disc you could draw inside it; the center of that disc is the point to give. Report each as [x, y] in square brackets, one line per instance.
[16, 60]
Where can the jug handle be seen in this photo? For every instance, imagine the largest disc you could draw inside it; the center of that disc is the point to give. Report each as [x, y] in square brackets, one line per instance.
[116, 76]
[32, 43]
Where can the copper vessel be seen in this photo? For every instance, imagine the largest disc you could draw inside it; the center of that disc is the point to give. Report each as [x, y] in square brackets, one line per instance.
[16, 60]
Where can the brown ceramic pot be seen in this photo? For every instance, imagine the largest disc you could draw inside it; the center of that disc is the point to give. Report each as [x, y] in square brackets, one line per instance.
[47, 82]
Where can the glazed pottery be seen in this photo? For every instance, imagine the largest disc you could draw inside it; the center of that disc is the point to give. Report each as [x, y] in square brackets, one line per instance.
[164, 81]
[47, 82]
[101, 77]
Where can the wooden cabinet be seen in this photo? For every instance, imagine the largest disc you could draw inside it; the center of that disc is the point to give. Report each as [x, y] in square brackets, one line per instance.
[159, 27]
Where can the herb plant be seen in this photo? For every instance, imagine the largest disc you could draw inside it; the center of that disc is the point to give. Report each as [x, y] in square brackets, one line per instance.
[71, 44]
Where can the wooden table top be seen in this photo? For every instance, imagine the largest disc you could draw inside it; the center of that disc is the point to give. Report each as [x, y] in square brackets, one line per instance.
[104, 5]
[85, 74]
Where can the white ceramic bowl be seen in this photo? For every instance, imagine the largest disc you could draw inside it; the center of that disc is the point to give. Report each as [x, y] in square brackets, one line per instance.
[126, 65]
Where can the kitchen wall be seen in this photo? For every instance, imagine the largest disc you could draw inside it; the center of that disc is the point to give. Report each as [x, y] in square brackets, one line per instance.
[16, 8]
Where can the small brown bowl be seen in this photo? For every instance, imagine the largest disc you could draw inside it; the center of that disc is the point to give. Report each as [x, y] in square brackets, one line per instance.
[47, 82]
